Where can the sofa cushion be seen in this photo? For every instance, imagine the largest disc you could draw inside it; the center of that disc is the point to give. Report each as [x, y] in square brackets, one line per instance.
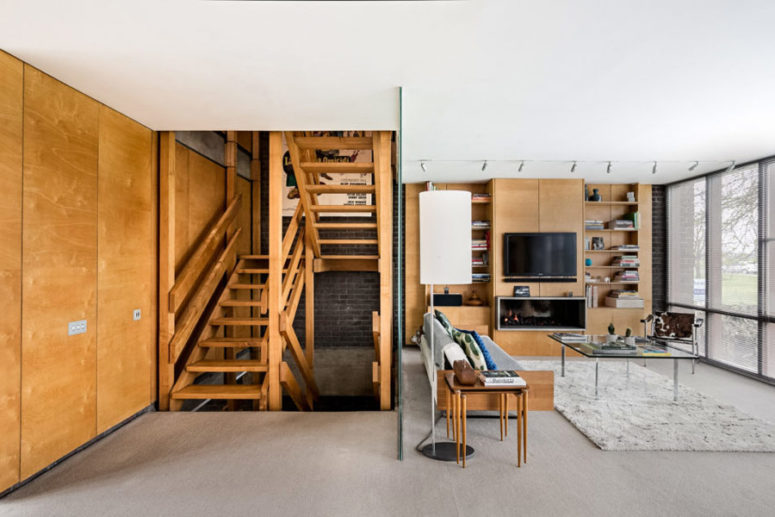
[491, 365]
[440, 338]
[445, 322]
[471, 348]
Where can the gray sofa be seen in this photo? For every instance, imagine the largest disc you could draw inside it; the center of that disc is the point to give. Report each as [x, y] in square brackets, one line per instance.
[503, 360]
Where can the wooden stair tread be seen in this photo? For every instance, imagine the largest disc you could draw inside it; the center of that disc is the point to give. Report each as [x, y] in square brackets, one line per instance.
[218, 391]
[346, 226]
[237, 365]
[349, 257]
[341, 189]
[240, 303]
[247, 286]
[254, 257]
[343, 208]
[338, 167]
[255, 270]
[334, 142]
[241, 322]
[232, 342]
[348, 241]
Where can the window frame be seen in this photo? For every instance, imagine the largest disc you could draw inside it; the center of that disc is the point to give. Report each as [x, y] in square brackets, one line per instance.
[765, 181]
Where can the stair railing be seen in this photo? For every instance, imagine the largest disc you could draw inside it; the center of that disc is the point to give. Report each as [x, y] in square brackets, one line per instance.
[199, 280]
[292, 287]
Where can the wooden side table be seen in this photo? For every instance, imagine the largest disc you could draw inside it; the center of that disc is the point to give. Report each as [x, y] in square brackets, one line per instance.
[456, 399]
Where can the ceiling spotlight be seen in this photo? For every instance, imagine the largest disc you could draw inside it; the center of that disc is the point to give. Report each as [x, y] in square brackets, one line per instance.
[608, 168]
[573, 167]
[731, 166]
[423, 166]
[484, 165]
[693, 166]
[521, 166]
[654, 168]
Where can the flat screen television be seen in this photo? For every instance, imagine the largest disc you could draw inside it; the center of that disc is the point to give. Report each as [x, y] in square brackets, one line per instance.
[547, 255]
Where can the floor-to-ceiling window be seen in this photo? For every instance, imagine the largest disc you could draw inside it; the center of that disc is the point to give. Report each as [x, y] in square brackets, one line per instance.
[719, 245]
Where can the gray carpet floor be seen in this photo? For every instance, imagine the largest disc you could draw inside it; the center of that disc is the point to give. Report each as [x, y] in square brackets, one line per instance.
[344, 464]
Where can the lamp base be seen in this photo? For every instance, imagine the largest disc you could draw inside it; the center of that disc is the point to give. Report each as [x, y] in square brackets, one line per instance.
[445, 451]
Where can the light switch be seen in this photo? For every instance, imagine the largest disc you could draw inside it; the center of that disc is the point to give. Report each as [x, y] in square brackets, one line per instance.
[136, 314]
[76, 327]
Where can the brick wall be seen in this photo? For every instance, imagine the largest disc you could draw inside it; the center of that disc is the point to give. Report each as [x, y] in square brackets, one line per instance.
[659, 247]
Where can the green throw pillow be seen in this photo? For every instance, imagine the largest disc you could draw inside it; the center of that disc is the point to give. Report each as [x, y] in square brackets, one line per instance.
[445, 323]
[471, 348]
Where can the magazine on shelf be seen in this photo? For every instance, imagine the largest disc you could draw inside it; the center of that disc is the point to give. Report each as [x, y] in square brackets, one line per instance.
[501, 378]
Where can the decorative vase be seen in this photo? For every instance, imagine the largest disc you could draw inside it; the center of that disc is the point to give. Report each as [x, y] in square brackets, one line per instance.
[611, 338]
[595, 195]
[630, 340]
[588, 262]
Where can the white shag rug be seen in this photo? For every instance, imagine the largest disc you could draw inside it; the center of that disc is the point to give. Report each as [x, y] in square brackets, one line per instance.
[637, 413]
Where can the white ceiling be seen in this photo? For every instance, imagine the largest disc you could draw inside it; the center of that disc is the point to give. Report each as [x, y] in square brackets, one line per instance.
[548, 82]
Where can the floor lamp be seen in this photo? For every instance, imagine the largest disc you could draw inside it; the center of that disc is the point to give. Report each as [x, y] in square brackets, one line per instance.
[445, 258]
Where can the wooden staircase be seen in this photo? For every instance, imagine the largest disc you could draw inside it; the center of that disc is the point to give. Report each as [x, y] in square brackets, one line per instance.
[362, 239]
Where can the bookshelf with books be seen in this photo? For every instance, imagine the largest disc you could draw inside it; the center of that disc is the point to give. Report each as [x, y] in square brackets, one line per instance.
[617, 255]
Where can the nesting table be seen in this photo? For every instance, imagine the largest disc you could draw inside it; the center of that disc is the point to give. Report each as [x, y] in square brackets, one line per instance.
[456, 400]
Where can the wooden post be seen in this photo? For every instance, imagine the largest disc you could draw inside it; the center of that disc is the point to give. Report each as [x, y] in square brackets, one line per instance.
[309, 297]
[384, 190]
[230, 160]
[166, 263]
[255, 178]
[275, 268]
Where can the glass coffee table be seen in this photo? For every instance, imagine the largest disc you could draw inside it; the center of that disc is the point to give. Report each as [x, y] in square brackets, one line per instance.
[645, 348]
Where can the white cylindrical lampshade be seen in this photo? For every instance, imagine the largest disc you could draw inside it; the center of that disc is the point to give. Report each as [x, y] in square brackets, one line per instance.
[445, 237]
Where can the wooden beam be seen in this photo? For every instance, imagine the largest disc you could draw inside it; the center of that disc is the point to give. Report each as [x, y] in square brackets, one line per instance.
[166, 263]
[384, 182]
[298, 354]
[276, 261]
[321, 265]
[334, 142]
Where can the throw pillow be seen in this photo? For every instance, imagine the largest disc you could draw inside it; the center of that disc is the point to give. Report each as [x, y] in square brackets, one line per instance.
[486, 353]
[467, 342]
[445, 322]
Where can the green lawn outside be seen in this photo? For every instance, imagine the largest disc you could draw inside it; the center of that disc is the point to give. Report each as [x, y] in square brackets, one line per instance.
[738, 289]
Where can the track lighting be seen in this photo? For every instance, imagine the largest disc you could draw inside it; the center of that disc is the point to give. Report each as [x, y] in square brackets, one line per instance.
[484, 165]
[693, 166]
[654, 168]
[521, 166]
[573, 167]
[608, 168]
[423, 166]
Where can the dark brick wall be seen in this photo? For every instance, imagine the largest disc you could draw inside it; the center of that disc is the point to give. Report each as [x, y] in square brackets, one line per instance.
[659, 247]
[344, 300]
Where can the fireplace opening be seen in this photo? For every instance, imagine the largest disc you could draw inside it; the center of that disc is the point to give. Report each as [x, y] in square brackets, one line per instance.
[542, 313]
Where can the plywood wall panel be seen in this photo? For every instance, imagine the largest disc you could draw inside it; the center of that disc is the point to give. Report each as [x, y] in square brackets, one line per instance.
[206, 196]
[561, 209]
[414, 292]
[59, 270]
[126, 245]
[11, 95]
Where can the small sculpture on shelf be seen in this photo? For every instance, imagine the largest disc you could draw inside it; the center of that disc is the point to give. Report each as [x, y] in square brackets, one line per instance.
[595, 195]
[611, 337]
[629, 339]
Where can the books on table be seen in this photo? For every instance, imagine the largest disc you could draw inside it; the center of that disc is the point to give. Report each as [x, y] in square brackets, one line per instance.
[570, 337]
[501, 378]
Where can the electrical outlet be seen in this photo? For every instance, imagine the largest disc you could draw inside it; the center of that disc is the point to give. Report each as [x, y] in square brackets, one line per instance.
[136, 314]
[76, 327]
